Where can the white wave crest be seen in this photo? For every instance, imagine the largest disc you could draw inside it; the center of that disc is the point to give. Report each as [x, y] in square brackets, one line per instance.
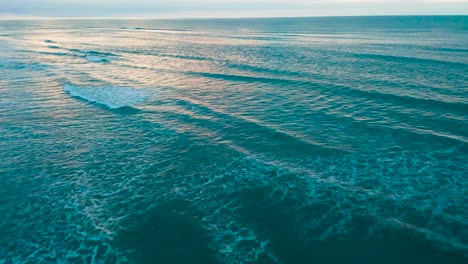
[112, 97]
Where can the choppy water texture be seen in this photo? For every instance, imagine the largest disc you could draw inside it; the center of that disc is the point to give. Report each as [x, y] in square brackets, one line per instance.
[309, 140]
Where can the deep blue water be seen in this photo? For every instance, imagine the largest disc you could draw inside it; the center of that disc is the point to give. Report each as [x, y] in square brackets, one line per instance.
[298, 140]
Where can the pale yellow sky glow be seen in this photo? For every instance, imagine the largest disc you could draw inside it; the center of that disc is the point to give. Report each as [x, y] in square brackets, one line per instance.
[227, 8]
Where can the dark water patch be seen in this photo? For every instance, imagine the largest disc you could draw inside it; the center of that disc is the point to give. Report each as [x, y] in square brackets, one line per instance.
[277, 221]
[167, 235]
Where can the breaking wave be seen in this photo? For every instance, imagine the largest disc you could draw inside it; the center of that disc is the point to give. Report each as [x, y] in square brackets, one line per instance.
[111, 97]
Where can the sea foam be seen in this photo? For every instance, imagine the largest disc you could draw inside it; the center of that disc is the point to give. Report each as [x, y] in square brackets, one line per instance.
[112, 97]
[96, 58]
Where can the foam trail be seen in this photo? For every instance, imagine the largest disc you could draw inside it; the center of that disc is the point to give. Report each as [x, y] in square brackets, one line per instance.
[112, 97]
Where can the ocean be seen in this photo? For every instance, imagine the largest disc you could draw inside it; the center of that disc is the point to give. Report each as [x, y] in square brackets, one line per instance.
[275, 140]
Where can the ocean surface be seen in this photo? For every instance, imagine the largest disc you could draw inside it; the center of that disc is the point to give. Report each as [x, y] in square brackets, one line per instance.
[286, 140]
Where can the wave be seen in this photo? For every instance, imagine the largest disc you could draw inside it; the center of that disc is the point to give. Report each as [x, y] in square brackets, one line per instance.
[17, 65]
[407, 100]
[246, 78]
[451, 49]
[53, 53]
[244, 127]
[371, 94]
[111, 97]
[94, 52]
[155, 29]
[265, 38]
[187, 57]
[96, 58]
[404, 59]
[48, 41]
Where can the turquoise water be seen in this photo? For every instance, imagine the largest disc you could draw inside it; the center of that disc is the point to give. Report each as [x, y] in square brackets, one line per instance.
[307, 140]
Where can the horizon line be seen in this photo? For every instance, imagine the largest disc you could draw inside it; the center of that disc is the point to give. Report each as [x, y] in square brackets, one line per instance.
[227, 17]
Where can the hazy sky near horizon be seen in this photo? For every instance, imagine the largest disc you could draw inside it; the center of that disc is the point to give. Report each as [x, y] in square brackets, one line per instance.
[226, 8]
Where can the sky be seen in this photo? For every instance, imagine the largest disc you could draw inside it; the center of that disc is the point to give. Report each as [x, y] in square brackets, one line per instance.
[226, 8]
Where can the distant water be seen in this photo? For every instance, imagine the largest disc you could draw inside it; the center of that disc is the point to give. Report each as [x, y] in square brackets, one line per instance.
[308, 140]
